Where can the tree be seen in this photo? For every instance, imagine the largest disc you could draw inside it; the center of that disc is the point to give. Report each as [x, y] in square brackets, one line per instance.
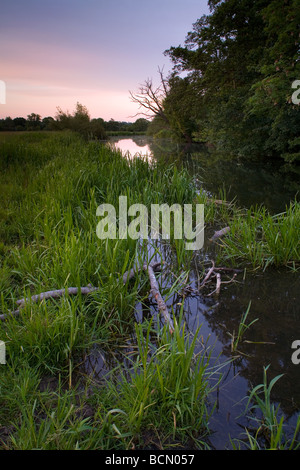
[159, 103]
[279, 67]
[150, 98]
[48, 123]
[20, 123]
[240, 61]
[80, 122]
[96, 129]
[33, 121]
[140, 125]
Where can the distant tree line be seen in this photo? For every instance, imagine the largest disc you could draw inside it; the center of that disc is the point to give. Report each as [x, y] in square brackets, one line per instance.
[79, 121]
[233, 81]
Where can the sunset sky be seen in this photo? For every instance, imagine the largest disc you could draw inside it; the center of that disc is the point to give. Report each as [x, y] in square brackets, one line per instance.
[92, 51]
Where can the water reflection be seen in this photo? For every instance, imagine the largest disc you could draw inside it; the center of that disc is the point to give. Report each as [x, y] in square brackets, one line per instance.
[248, 182]
[273, 294]
[132, 147]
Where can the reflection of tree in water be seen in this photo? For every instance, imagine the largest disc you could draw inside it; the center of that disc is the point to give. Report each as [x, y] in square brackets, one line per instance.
[249, 182]
[140, 141]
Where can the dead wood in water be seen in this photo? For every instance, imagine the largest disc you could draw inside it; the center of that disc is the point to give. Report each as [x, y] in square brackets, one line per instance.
[132, 272]
[214, 272]
[160, 301]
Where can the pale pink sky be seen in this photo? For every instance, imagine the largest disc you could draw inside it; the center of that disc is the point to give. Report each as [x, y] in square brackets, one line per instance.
[91, 51]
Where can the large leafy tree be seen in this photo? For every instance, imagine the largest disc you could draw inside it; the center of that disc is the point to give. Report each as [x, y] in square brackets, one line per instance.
[279, 67]
[240, 62]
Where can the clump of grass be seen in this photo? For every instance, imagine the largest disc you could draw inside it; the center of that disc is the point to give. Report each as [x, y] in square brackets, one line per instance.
[261, 239]
[166, 390]
[269, 428]
[38, 418]
[236, 338]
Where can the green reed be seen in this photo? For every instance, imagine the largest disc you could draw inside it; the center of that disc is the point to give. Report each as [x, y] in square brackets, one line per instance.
[260, 239]
[268, 428]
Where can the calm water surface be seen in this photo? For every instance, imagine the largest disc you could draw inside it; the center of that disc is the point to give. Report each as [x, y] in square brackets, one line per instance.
[249, 183]
[274, 295]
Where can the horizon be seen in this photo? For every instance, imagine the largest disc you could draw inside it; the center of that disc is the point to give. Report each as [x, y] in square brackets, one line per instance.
[55, 55]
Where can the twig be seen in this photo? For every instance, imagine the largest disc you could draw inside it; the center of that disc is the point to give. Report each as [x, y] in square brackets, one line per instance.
[214, 271]
[128, 275]
[230, 280]
[234, 270]
[218, 286]
[218, 283]
[210, 272]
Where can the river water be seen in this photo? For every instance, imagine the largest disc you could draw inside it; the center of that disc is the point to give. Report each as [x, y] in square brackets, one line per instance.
[274, 294]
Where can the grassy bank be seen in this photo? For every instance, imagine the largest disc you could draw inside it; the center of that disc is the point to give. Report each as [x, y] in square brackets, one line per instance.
[158, 390]
[51, 186]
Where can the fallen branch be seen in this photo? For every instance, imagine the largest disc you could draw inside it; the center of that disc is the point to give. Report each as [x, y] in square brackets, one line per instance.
[160, 301]
[220, 202]
[128, 275]
[218, 285]
[225, 269]
[55, 294]
[214, 272]
[51, 294]
[208, 275]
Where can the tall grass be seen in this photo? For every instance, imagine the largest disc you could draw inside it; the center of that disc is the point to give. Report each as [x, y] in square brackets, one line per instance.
[261, 239]
[165, 391]
[268, 432]
[50, 187]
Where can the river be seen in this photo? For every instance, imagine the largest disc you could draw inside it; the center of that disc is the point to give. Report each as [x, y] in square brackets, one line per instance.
[274, 294]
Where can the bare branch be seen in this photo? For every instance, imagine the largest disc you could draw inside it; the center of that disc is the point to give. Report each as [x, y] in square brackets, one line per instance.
[150, 98]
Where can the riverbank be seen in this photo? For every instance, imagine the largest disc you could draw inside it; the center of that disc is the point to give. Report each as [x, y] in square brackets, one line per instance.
[158, 390]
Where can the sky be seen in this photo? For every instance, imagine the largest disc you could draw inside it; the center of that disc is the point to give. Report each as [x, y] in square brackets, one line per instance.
[55, 54]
